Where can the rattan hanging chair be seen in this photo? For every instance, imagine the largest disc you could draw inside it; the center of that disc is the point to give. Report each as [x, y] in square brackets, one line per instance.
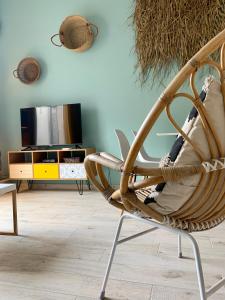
[205, 208]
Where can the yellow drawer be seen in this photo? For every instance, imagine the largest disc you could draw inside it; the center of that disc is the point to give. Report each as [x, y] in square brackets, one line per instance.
[21, 171]
[46, 171]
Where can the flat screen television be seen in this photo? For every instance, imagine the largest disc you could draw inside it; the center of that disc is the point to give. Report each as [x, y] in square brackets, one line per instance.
[51, 125]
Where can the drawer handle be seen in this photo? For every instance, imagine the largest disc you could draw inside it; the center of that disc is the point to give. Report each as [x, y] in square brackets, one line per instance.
[72, 171]
[45, 171]
[21, 171]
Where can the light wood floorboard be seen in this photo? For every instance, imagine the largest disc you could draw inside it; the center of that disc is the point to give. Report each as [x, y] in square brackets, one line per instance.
[64, 244]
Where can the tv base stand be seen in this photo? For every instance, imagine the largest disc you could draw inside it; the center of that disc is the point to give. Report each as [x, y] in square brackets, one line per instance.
[51, 147]
[49, 165]
[36, 148]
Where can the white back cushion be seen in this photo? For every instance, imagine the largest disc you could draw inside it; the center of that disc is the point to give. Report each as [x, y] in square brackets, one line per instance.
[175, 194]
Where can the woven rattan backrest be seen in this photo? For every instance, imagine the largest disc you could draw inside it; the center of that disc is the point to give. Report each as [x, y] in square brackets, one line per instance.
[208, 201]
[206, 206]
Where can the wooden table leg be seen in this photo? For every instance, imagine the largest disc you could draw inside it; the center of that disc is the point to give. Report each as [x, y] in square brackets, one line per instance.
[14, 203]
[15, 223]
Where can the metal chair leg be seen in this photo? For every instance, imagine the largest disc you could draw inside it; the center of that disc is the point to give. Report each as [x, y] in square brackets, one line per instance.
[180, 255]
[112, 254]
[198, 264]
[203, 293]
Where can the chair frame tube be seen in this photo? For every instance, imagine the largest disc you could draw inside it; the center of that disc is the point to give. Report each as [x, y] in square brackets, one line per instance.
[204, 295]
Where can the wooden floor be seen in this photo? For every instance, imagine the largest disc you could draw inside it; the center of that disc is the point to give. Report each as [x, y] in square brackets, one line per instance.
[64, 244]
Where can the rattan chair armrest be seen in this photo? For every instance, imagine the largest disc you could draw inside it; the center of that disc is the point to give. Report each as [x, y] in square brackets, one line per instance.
[170, 173]
[106, 160]
[94, 164]
[147, 182]
[110, 157]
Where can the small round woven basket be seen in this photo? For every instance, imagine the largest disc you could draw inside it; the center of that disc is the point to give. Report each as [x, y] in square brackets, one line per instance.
[76, 33]
[28, 70]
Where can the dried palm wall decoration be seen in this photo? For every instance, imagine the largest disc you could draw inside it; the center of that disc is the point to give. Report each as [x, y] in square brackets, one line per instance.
[170, 32]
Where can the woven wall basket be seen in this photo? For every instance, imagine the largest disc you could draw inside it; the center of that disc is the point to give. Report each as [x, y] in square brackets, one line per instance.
[76, 33]
[28, 70]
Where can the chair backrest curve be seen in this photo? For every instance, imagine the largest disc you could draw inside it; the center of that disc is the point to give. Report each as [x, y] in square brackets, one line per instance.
[143, 155]
[123, 143]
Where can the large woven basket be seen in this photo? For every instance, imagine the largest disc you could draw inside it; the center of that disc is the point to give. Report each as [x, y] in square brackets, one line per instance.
[28, 70]
[76, 34]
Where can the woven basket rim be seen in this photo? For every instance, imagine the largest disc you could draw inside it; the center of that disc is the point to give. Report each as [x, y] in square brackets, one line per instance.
[71, 20]
[22, 65]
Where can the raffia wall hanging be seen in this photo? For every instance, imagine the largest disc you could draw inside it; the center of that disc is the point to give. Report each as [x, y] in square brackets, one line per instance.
[170, 32]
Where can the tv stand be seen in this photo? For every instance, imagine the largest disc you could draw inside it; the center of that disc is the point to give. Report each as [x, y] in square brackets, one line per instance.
[54, 165]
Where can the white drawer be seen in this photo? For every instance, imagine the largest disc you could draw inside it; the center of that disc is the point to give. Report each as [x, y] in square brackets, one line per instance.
[73, 171]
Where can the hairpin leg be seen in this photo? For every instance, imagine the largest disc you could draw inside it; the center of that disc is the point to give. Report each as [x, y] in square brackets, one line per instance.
[89, 184]
[80, 186]
[18, 184]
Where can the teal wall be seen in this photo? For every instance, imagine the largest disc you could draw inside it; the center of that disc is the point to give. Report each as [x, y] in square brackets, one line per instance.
[103, 78]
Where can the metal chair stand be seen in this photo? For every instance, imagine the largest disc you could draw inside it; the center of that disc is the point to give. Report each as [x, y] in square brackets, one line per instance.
[204, 295]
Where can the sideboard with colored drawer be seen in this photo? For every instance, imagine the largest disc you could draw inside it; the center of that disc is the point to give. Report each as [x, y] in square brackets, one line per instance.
[49, 165]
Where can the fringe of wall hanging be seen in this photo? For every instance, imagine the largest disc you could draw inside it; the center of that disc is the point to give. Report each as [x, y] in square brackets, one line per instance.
[170, 32]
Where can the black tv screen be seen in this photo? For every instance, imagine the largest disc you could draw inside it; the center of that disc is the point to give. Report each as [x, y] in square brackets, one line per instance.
[51, 125]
